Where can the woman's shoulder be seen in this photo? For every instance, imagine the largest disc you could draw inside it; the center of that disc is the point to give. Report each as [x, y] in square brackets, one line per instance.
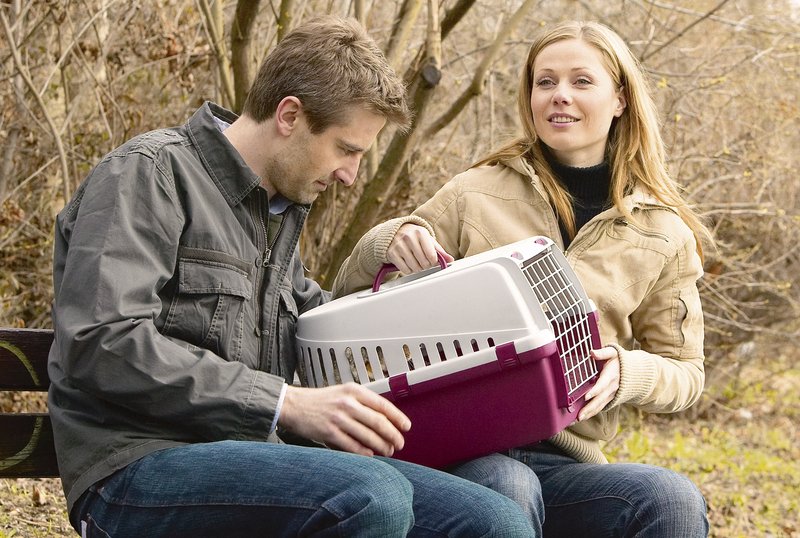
[498, 178]
[662, 219]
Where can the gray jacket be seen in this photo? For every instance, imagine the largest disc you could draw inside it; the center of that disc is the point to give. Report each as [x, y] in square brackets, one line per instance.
[176, 297]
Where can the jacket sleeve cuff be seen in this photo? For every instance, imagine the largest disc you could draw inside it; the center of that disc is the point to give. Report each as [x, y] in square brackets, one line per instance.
[377, 243]
[637, 377]
[262, 407]
[369, 254]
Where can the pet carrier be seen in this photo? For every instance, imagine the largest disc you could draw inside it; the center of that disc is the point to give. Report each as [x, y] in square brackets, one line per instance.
[488, 353]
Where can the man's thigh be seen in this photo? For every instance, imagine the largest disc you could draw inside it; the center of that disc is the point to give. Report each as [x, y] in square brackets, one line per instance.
[236, 488]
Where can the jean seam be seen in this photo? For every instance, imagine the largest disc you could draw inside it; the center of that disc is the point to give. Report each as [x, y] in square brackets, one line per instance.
[207, 503]
[598, 498]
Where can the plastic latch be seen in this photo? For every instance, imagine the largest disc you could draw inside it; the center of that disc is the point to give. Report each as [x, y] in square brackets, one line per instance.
[507, 355]
[399, 386]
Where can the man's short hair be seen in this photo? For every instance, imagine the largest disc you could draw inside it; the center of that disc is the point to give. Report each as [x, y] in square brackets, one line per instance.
[329, 63]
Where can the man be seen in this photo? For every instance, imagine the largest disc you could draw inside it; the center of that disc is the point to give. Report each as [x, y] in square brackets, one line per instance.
[177, 287]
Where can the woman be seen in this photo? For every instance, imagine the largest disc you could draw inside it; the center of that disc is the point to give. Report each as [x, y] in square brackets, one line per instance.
[590, 173]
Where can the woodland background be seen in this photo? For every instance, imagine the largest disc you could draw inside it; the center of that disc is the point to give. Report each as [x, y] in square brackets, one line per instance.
[77, 78]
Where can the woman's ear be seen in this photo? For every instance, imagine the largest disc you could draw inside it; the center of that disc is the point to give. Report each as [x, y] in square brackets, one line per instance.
[287, 114]
[622, 103]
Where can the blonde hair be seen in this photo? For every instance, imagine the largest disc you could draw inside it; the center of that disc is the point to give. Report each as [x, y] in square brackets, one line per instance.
[329, 63]
[634, 150]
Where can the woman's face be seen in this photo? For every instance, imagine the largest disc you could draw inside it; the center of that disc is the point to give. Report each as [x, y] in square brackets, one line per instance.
[574, 101]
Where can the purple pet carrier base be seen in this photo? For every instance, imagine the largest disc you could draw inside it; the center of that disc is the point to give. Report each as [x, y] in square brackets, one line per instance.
[503, 404]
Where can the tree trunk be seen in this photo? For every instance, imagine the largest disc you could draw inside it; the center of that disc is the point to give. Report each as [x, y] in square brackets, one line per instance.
[241, 50]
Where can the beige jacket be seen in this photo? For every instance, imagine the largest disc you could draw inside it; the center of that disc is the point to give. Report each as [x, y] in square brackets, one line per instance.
[641, 273]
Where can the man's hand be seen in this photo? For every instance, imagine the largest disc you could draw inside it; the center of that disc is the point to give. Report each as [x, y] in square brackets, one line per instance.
[601, 394]
[348, 417]
[414, 249]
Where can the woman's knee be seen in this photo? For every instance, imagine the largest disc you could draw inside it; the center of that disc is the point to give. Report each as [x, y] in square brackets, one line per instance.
[510, 478]
[671, 502]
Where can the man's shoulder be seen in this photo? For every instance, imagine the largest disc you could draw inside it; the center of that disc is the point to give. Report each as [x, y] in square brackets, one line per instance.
[152, 143]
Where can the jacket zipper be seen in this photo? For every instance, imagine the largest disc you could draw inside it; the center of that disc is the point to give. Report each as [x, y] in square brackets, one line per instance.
[265, 223]
[624, 222]
[257, 215]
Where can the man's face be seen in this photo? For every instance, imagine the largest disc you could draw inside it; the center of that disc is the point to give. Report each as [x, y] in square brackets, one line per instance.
[312, 162]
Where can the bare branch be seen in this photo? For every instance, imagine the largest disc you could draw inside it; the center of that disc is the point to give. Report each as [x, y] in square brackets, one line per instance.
[401, 30]
[685, 30]
[23, 72]
[743, 24]
[475, 87]
[212, 16]
[454, 16]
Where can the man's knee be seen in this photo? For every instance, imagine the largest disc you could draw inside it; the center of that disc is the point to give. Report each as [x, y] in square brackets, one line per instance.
[380, 495]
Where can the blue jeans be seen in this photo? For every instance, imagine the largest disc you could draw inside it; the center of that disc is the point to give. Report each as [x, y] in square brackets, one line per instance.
[238, 488]
[563, 497]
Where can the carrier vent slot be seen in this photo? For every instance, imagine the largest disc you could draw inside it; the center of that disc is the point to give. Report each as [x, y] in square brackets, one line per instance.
[379, 352]
[312, 374]
[440, 349]
[407, 355]
[424, 351]
[302, 371]
[337, 374]
[474, 344]
[376, 369]
[323, 373]
[361, 370]
[457, 346]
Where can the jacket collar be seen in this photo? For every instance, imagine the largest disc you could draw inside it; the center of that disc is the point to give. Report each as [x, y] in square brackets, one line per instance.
[224, 164]
[522, 166]
[639, 199]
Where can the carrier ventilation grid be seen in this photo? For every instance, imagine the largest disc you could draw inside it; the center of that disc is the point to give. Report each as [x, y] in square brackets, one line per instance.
[567, 314]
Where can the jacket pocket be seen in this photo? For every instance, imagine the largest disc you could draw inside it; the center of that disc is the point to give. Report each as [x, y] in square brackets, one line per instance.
[208, 307]
[689, 318]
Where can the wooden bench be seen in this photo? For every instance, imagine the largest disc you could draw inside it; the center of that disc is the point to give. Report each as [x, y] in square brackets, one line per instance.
[26, 439]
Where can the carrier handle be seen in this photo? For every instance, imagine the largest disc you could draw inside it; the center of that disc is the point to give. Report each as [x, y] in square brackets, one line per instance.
[390, 268]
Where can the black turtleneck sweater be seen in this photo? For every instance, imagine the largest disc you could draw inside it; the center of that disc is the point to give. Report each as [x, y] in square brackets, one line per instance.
[589, 188]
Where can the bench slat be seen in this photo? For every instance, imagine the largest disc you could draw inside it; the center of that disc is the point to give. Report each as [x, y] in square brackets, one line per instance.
[26, 446]
[23, 359]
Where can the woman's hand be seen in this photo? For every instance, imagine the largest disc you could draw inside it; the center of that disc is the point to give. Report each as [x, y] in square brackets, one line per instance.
[414, 249]
[601, 394]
